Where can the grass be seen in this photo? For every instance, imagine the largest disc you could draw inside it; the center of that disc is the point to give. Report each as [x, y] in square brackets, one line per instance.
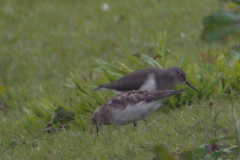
[43, 41]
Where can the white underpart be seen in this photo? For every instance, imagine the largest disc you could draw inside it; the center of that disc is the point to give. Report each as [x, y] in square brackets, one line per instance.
[134, 113]
[118, 92]
[106, 89]
[103, 89]
[149, 84]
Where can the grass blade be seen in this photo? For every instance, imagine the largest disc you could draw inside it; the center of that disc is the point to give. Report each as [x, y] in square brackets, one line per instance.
[109, 67]
[150, 61]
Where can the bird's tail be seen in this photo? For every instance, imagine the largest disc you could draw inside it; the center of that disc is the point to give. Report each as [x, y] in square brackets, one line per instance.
[95, 89]
[99, 87]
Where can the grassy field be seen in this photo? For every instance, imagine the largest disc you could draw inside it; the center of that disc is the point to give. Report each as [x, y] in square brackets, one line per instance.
[43, 41]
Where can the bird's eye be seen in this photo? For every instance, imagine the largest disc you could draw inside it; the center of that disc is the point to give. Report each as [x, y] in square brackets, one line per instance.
[182, 76]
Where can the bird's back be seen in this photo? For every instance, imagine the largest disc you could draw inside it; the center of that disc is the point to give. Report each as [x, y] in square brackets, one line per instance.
[131, 81]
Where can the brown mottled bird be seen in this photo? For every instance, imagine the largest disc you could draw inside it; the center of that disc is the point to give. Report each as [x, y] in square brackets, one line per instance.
[130, 107]
[149, 79]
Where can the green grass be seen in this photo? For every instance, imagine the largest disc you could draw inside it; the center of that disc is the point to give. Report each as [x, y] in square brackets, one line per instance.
[43, 41]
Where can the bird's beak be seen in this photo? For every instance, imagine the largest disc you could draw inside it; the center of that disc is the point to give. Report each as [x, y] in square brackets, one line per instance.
[190, 85]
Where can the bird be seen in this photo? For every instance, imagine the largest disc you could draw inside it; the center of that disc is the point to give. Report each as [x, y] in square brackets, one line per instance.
[62, 116]
[130, 107]
[149, 79]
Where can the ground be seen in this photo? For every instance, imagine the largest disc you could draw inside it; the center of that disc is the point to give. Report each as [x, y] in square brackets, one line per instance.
[43, 41]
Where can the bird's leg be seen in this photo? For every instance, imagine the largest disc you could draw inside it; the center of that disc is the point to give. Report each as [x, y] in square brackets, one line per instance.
[135, 124]
[97, 128]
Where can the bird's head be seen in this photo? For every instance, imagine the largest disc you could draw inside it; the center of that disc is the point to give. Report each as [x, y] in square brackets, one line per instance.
[180, 77]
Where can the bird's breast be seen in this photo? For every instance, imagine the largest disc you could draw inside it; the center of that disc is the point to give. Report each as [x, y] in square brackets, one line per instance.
[133, 113]
[149, 84]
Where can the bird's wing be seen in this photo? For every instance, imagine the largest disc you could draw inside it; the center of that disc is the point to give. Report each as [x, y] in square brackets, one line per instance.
[127, 99]
[134, 97]
[132, 81]
[155, 95]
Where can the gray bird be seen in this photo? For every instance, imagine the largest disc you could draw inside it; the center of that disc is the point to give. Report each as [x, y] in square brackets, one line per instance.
[150, 79]
[130, 107]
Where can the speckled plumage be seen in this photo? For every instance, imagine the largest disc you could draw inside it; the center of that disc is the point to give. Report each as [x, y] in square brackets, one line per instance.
[152, 78]
[130, 107]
